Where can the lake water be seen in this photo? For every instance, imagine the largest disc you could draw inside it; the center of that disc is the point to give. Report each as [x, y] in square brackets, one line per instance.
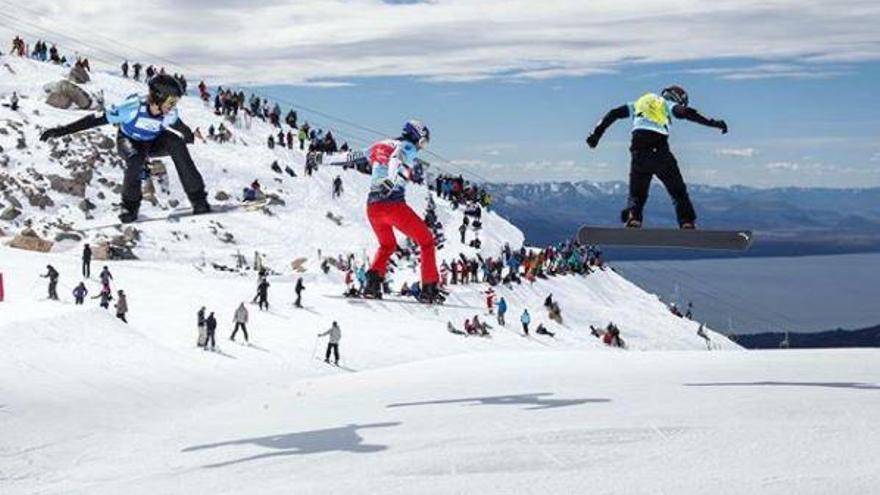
[749, 295]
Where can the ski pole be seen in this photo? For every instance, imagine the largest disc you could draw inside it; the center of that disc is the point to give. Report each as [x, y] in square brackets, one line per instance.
[315, 349]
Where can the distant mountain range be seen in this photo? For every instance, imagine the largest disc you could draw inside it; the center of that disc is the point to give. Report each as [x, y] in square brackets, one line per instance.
[788, 221]
[866, 337]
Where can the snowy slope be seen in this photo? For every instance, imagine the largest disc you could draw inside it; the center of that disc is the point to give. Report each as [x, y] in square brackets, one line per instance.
[91, 405]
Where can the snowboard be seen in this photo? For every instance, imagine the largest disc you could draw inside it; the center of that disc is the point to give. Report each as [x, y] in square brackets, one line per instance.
[179, 213]
[203, 336]
[732, 240]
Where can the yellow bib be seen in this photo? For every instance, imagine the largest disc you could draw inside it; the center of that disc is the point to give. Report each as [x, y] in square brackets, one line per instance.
[653, 108]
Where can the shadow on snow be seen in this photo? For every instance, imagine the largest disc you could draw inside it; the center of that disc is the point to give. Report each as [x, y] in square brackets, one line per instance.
[341, 439]
[536, 400]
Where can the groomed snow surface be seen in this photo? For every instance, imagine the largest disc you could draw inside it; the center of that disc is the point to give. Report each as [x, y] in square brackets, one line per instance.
[90, 405]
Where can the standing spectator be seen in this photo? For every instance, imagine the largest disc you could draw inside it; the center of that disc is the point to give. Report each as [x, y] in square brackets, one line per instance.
[203, 332]
[299, 288]
[263, 294]
[525, 319]
[337, 187]
[105, 276]
[210, 327]
[462, 229]
[502, 310]
[125, 69]
[240, 319]
[301, 136]
[79, 293]
[490, 300]
[105, 297]
[121, 305]
[332, 343]
[137, 71]
[87, 261]
[52, 275]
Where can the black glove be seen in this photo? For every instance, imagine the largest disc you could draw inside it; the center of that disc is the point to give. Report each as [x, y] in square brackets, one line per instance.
[721, 125]
[385, 187]
[593, 140]
[51, 133]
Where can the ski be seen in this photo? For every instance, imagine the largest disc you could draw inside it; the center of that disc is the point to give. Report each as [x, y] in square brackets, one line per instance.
[732, 240]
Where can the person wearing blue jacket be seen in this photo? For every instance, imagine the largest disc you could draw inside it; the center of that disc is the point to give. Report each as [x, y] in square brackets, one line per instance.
[502, 310]
[149, 127]
[525, 319]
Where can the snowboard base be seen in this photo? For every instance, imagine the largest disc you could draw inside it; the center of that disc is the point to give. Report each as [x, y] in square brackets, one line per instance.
[731, 240]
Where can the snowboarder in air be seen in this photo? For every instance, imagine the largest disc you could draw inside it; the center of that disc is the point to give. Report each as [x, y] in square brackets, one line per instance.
[393, 162]
[651, 115]
[149, 126]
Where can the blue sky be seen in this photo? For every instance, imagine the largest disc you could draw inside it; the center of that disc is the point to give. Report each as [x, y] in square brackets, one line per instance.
[510, 88]
[801, 131]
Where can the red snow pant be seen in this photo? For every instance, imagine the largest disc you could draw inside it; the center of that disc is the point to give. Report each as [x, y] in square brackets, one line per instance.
[384, 218]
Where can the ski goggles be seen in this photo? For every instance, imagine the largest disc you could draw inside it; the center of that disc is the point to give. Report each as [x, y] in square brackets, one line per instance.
[170, 102]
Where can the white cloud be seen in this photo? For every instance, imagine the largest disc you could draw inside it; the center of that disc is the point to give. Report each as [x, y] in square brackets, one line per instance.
[276, 41]
[737, 152]
[773, 71]
[789, 166]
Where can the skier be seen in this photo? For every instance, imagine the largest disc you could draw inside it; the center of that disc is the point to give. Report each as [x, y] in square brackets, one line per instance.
[121, 305]
[650, 151]
[332, 343]
[502, 310]
[210, 327]
[148, 127]
[240, 319]
[52, 275]
[337, 187]
[263, 294]
[392, 162]
[299, 288]
[87, 261]
[105, 297]
[525, 319]
[79, 293]
[105, 276]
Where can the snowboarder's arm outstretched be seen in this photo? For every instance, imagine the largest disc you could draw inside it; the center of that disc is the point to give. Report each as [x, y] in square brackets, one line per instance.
[691, 114]
[615, 114]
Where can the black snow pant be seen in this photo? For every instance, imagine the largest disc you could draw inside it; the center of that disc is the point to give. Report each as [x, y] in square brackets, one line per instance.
[298, 302]
[526, 328]
[264, 301]
[121, 316]
[210, 338]
[335, 349]
[651, 156]
[87, 268]
[136, 153]
[243, 329]
[53, 290]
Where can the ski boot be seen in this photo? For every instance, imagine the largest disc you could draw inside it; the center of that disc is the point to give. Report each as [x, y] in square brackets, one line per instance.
[431, 294]
[629, 219]
[373, 286]
[129, 213]
[200, 204]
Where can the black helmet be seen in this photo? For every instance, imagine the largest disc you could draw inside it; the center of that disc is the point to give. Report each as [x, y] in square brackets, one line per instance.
[163, 87]
[675, 94]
